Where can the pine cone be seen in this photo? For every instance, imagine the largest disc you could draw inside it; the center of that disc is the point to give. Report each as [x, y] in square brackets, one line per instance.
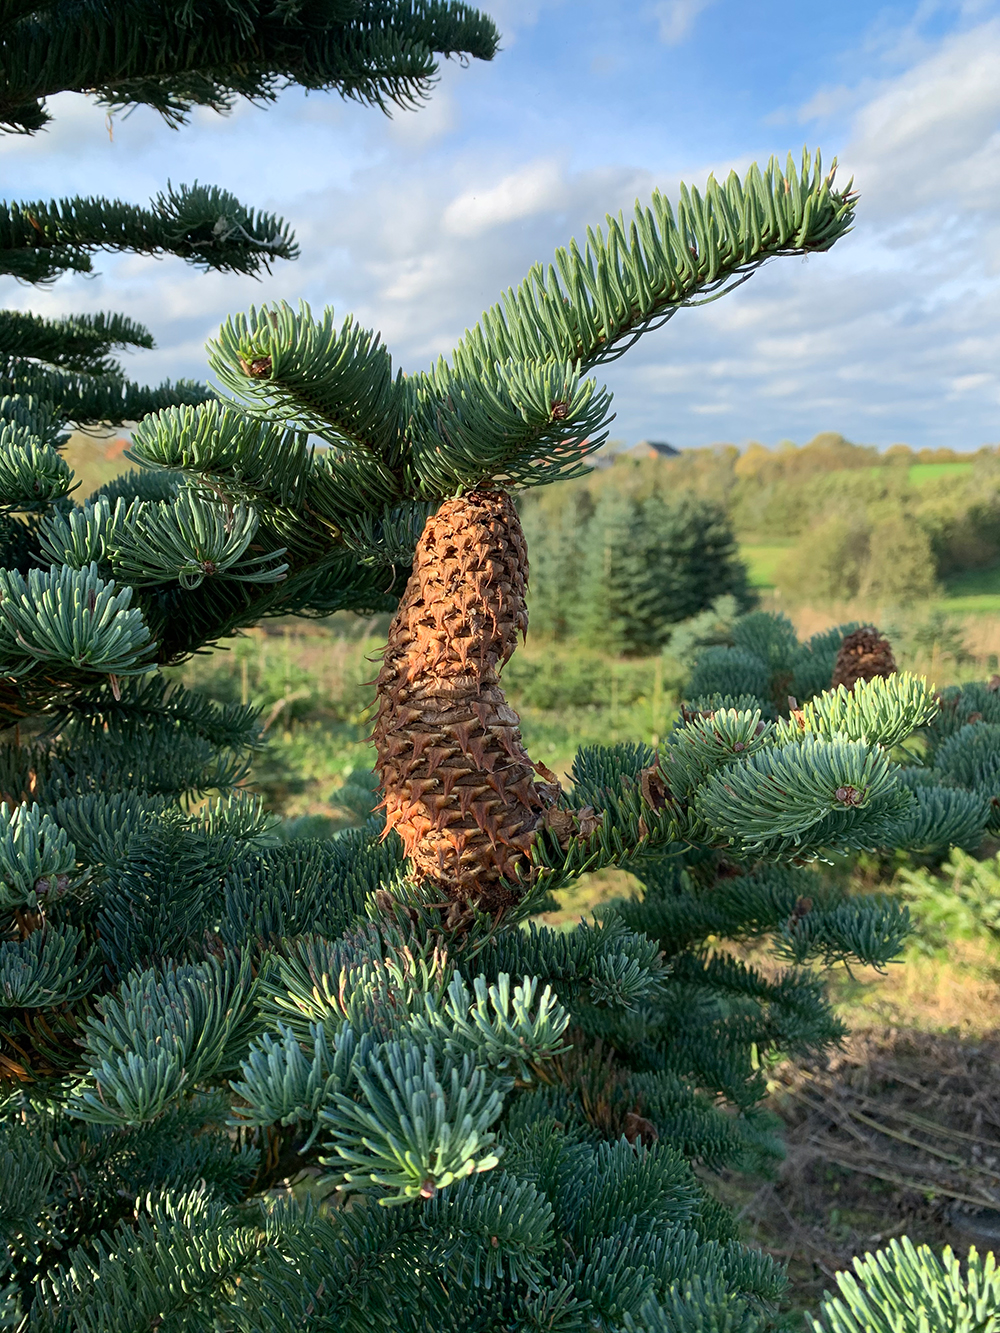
[459, 785]
[863, 655]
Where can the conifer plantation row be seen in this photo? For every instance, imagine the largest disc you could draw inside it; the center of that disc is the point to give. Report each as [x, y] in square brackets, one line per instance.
[349, 1084]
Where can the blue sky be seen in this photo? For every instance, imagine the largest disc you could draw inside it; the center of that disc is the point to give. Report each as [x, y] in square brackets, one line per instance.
[416, 223]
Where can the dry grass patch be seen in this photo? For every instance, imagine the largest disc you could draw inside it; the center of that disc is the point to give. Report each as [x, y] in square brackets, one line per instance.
[896, 1133]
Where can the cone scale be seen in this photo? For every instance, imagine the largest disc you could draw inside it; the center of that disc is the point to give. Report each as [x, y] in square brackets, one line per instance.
[459, 786]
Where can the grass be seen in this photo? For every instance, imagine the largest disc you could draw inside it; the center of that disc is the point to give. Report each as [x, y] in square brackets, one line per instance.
[922, 474]
[974, 592]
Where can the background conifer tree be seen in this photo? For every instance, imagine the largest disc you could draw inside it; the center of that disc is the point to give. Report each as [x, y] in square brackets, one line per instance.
[193, 1013]
[649, 563]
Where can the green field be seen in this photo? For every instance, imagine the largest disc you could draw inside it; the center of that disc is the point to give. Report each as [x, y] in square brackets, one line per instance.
[762, 561]
[974, 592]
[921, 474]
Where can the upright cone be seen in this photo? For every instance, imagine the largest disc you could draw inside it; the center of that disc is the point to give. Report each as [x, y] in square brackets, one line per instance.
[863, 655]
[459, 786]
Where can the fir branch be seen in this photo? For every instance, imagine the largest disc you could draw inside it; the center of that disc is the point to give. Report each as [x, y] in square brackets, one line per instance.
[285, 1083]
[907, 1286]
[145, 703]
[945, 817]
[200, 223]
[94, 399]
[34, 855]
[171, 1264]
[424, 1123]
[152, 900]
[189, 539]
[592, 305]
[185, 621]
[25, 1182]
[164, 1032]
[159, 760]
[511, 407]
[508, 1029]
[77, 342]
[693, 1304]
[870, 936]
[176, 57]
[301, 889]
[36, 416]
[71, 617]
[52, 966]
[337, 383]
[605, 964]
[509, 424]
[881, 711]
[101, 824]
[254, 459]
[352, 1270]
[786, 791]
[389, 538]
[32, 474]
[970, 758]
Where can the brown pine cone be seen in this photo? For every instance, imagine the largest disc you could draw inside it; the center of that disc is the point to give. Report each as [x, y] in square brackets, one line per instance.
[863, 655]
[459, 786]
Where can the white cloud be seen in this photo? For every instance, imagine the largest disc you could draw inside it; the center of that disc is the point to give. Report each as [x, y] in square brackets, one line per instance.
[537, 188]
[931, 135]
[677, 18]
[825, 103]
[512, 17]
[420, 260]
[426, 123]
[417, 224]
[970, 383]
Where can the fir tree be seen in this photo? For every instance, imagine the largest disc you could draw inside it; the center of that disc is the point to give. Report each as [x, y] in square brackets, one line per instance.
[557, 540]
[649, 564]
[171, 57]
[195, 1014]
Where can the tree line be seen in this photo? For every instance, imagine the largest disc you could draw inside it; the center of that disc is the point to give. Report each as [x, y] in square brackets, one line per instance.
[622, 555]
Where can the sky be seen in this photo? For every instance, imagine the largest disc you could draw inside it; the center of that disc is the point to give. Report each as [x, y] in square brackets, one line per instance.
[416, 223]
